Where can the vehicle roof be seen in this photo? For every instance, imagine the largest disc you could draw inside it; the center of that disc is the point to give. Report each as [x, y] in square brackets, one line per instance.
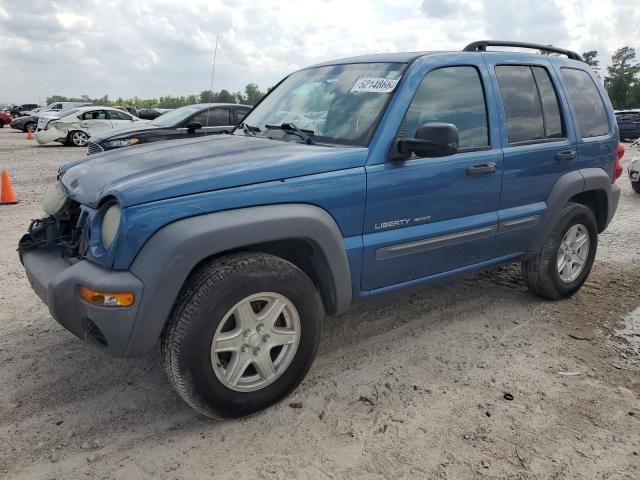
[217, 105]
[408, 57]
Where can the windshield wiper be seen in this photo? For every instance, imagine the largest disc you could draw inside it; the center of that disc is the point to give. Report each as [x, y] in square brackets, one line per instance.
[291, 128]
[249, 129]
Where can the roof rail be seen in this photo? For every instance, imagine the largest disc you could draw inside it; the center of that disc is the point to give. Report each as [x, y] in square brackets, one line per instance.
[481, 46]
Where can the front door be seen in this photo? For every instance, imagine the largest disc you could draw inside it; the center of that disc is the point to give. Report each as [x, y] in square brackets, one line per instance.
[426, 216]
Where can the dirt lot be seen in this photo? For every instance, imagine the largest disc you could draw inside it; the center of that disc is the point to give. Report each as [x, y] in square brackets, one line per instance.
[408, 386]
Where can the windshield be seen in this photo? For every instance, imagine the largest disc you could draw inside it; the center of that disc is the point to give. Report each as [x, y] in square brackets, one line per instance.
[336, 104]
[176, 116]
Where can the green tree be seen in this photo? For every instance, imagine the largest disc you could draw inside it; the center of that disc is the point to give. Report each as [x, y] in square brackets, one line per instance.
[622, 77]
[225, 96]
[591, 59]
[252, 94]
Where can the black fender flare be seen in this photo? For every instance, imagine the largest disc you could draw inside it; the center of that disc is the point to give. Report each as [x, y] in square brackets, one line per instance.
[170, 255]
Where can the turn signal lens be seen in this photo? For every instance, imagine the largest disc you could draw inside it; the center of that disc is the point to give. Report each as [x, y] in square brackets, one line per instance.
[107, 299]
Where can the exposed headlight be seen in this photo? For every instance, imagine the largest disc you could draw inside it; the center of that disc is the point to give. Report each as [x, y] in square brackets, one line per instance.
[110, 224]
[122, 143]
[54, 198]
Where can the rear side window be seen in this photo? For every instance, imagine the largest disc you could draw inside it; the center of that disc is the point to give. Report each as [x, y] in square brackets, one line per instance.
[217, 117]
[627, 117]
[240, 114]
[530, 103]
[586, 102]
[451, 95]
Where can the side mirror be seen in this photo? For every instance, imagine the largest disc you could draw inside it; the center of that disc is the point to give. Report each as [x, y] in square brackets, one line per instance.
[193, 126]
[432, 139]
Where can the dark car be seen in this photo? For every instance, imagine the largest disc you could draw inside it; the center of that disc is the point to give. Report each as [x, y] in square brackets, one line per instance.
[151, 113]
[25, 107]
[628, 124]
[184, 122]
[132, 110]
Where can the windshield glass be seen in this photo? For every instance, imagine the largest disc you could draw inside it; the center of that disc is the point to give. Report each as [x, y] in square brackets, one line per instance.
[176, 116]
[337, 103]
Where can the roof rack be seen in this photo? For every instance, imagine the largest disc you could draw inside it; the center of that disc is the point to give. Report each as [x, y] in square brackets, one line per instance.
[481, 46]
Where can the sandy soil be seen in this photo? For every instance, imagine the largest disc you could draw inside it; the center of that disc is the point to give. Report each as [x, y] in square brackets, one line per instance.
[407, 386]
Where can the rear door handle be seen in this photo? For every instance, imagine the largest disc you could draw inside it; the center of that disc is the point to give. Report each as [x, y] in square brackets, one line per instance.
[482, 169]
[566, 155]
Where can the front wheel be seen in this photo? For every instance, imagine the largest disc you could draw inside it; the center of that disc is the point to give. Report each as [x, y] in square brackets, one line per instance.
[635, 186]
[565, 260]
[78, 138]
[242, 334]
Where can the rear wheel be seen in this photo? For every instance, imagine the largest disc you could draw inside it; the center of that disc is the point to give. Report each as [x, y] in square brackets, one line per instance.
[78, 138]
[1, 124]
[242, 334]
[30, 126]
[565, 260]
[635, 186]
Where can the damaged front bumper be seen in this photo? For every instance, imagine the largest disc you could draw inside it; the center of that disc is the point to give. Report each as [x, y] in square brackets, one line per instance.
[50, 135]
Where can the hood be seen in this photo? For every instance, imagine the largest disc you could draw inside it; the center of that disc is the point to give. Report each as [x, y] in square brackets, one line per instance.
[175, 168]
[141, 126]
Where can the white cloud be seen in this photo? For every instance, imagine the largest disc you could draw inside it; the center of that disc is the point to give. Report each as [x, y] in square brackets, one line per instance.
[149, 48]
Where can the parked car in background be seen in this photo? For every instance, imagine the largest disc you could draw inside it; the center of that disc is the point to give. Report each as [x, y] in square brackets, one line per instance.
[75, 126]
[30, 122]
[5, 119]
[628, 124]
[184, 122]
[634, 170]
[17, 110]
[152, 113]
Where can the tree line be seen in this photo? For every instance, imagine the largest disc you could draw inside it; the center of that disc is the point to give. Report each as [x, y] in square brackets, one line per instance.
[250, 96]
[622, 82]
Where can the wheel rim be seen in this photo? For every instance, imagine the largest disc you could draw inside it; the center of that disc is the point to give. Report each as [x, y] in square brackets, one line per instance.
[79, 138]
[255, 342]
[573, 253]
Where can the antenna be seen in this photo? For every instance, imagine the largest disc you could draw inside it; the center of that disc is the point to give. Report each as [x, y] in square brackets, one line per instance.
[213, 71]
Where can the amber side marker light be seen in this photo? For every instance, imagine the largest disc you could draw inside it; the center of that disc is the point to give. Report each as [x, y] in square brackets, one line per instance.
[107, 299]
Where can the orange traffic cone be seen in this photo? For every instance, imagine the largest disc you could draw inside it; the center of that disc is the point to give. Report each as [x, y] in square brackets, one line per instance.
[29, 134]
[7, 197]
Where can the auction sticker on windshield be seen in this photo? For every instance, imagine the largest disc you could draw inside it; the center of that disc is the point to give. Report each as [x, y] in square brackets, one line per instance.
[374, 84]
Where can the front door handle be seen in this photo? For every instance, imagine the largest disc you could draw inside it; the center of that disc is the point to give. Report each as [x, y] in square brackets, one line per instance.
[566, 155]
[482, 169]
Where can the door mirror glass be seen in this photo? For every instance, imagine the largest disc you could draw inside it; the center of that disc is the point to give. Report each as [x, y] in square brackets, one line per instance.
[193, 126]
[433, 139]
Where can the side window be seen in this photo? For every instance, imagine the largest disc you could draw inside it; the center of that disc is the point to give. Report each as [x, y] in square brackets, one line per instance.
[94, 115]
[116, 115]
[586, 102]
[451, 95]
[217, 117]
[550, 106]
[521, 103]
[240, 114]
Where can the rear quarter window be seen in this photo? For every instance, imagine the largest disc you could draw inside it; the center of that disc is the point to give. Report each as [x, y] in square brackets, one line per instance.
[585, 99]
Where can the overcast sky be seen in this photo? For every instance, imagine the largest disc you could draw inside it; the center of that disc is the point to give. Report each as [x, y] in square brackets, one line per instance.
[150, 48]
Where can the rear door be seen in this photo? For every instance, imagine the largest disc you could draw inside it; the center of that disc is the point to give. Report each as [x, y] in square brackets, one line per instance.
[426, 216]
[120, 119]
[595, 130]
[538, 146]
[213, 120]
[95, 120]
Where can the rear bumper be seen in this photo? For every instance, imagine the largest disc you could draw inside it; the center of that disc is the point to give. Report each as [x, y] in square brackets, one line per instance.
[56, 282]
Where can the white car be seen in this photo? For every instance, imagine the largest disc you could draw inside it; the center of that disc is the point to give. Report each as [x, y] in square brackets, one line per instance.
[634, 169]
[74, 126]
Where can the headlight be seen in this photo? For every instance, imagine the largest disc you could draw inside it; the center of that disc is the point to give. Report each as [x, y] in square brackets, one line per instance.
[54, 199]
[110, 224]
[122, 143]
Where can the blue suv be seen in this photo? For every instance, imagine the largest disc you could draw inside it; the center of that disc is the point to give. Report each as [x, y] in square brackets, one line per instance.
[351, 178]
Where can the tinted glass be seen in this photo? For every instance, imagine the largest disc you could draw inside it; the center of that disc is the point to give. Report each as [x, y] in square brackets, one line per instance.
[217, 117]
[115, 115]
[240, 114]
[627, 117]
[521, 103]
[587, 104]
[451, 95]
[550, 106]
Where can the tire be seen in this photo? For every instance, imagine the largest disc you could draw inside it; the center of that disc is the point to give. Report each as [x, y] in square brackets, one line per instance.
[30, 125]
[77, 138]
[635, 186]
[200, 315]
[1, 124]
[541, 273]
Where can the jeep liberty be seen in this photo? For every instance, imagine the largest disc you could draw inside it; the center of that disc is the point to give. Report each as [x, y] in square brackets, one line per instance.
[351, 178]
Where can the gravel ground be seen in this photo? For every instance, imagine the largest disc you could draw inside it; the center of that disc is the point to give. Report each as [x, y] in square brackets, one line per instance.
[407, 386]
